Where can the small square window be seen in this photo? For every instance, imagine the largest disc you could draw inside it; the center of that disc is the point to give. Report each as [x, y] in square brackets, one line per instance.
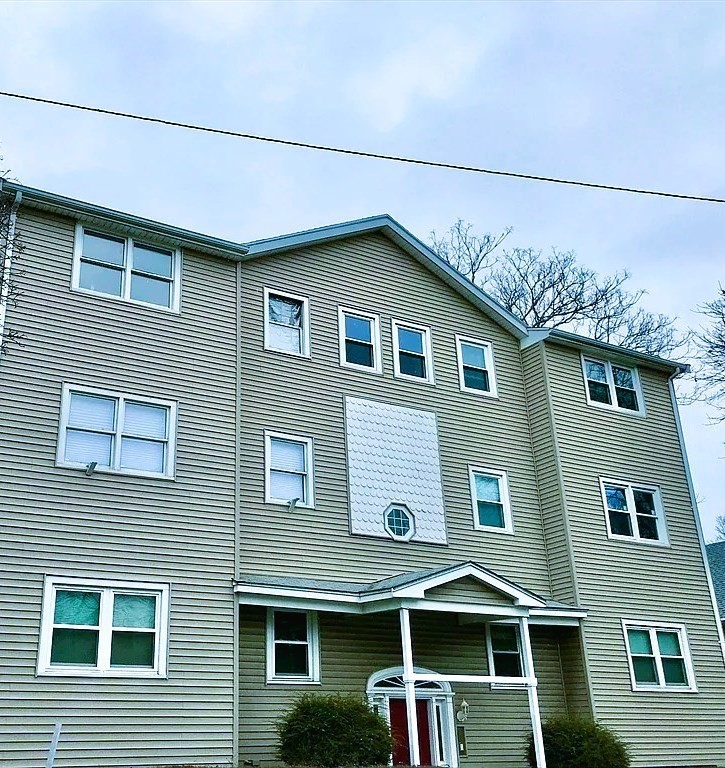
[126, 269]
[116, 432]
[412, 352]
[103, 628]
[659, 657]
[475, 367]
[360, 341]
[612, 386]
[286, 323]
[634, 512]
[490, 496]
[292, 646]
[289, 470]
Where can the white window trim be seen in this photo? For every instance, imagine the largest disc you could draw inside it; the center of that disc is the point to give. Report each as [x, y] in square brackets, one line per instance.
[54, 583]
[491, 666]
[169, 472]
[488, 347]
[684, 645]
[374, 319]
[502, 475]
[304, 331]
[175, 307]
[309, 444]
[664, 540]
[427, 351]
[313, 650]
[641, 411]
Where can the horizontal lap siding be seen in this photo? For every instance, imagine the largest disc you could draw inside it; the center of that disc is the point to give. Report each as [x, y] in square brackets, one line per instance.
[60, 522]
[561, 571]
[354, 647]
[306, 397]
[625, 580]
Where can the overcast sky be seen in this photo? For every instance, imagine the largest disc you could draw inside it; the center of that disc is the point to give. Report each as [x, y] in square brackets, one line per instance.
[623, 93]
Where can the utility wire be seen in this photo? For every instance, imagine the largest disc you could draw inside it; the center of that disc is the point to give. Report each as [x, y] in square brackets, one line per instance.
[361, 153]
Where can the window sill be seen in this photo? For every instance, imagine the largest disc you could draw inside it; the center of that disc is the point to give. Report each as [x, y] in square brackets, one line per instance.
[279, 681]
[287, 353]
[616, 409]
[492, 529]
[663, 544]
[416, 379]
[361, 368]
[663, 689]
[111, 471]
[491, 395]
[286, 503]
[173, 310]
[77, 672]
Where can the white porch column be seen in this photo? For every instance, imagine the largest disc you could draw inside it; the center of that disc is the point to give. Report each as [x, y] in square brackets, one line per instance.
[408, 670]
[528, 661]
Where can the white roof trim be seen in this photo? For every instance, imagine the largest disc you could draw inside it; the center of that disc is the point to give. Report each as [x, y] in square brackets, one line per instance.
[386, 225]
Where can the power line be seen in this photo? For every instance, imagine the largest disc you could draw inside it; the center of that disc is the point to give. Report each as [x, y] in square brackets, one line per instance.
[361, 153]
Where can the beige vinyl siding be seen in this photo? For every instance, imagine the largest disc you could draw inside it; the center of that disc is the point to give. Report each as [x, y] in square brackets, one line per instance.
[467, 590]
[305, 397]
[354, 647]
[576, 686]
[58, 522]
[548, 475]
[619, 579]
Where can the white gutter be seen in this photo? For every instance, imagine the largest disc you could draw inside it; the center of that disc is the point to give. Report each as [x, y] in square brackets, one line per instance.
[696, 511]
[8, 263]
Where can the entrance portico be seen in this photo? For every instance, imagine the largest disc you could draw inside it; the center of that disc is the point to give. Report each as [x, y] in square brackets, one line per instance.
[417, 698]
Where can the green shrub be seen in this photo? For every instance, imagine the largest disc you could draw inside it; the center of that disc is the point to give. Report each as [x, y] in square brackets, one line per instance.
[333, 731]
[577, 742]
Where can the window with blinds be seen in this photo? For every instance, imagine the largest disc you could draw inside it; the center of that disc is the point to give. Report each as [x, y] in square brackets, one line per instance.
[112, 432]
[103, 628]
[289, 470]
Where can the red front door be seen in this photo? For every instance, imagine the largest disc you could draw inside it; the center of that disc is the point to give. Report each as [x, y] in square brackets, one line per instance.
[399, 730]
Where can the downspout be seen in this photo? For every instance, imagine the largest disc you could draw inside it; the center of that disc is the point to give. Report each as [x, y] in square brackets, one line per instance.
[8, 262]
[696, 513]
[237, 506]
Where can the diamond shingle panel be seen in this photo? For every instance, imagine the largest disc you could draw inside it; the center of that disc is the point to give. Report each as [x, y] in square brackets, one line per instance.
[392, 455]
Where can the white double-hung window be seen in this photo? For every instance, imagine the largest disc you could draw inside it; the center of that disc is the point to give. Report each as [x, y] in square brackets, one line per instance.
[659, 656]
[293, 648]
[634, 512]
[127, 269]
[359, 340]
[490, 497]
[286, 323]
[609, 385]
[289, 475]
[475, 366]
[113, 432]
[412, 352]
[103, 628]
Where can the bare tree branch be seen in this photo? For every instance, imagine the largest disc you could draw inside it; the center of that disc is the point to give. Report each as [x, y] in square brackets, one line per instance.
[710, 372]
[554, 290]
[10, 243]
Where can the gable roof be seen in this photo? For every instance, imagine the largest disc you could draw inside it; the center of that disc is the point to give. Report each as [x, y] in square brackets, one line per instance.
[716, 558]
[411, 585]
[387, 226]
[593, 347]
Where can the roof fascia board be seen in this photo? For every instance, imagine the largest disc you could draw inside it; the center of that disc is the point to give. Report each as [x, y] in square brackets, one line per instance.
[387, 226]
[582, 343]
[124, 222]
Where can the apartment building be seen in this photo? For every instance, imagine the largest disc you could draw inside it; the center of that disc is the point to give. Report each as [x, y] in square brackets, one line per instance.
[233, 473]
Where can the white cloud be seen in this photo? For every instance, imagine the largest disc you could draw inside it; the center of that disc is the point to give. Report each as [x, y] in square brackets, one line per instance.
[433, 68]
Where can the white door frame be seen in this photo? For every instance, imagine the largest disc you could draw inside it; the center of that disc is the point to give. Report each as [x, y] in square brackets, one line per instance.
[440, 697]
